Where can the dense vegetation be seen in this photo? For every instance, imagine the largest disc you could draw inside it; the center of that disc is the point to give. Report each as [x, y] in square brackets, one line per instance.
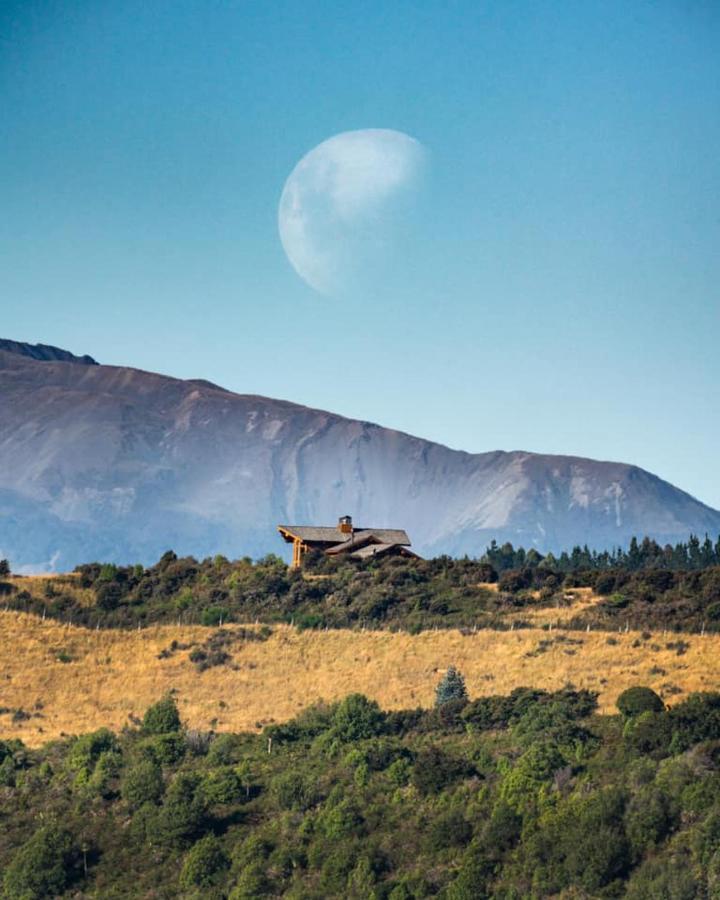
[523, 796]
[645, 587]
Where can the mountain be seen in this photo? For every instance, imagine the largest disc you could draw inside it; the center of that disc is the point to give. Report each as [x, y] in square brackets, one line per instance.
[113, 463]
[45, 353]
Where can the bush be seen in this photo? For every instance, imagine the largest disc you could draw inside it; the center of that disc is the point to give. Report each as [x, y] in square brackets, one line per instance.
[649, 732]
[182, 813]
[637, 700]
[143, 783]
[294, 791]
[696, 719]
[356, 718]
[43, 867]
[204, 864]
[165, 749]
[605, 584]
[162, 718]
[434, 770]
[87, 750]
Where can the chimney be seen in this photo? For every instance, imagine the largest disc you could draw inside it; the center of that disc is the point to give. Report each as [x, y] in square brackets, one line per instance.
[345, 525]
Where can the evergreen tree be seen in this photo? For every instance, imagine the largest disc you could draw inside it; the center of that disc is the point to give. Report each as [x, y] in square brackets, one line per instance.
[451, 687]
[162, 717]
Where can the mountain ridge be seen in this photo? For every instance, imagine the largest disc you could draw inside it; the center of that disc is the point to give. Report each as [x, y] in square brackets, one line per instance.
[117, 463]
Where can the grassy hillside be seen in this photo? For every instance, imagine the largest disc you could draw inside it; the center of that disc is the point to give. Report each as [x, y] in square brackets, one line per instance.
[60, 679]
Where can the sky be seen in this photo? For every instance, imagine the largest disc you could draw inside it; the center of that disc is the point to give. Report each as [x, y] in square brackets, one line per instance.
[561, 293]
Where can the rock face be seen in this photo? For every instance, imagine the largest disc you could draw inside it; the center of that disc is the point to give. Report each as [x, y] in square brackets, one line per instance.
[101, 462]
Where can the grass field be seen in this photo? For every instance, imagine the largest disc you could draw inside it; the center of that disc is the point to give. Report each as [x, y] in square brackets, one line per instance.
[57, 679]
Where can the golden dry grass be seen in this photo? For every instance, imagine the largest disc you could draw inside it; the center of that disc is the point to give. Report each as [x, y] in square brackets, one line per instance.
[37, 585]
[115, 674]
[578, 601]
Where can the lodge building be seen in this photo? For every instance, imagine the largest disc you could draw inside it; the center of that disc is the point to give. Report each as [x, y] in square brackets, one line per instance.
[345, 539]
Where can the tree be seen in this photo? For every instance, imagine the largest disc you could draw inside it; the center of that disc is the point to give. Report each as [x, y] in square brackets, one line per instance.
[43, 867]
[162, 717]
[636, 700]
[182, 813]
[142, 783]
[204, 863]
[451, 687]
[4, 568]
[357, 718]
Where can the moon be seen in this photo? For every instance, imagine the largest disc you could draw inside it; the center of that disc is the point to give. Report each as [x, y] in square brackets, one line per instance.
[347, 206]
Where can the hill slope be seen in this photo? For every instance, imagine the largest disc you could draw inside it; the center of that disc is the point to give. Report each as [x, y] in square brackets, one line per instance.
[115, 463]
[81, 679]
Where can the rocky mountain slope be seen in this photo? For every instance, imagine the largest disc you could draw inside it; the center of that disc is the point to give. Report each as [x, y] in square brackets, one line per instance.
[103, 462]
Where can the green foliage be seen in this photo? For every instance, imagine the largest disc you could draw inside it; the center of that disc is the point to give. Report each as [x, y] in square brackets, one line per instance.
[43, 867]
[357, 718]
[293, 790]
[165, 749]
[162, 717]
[221, 786]
[649, 732]
[182, 813]
[451, 687]
[695, 719]
[100, 747]
[434, 770]
[637, 700]
[142, 783]
[530, 795]
[204, 864]
[527, 782]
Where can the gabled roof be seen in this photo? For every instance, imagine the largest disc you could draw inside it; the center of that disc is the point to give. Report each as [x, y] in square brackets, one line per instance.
[370, 550]
[318, 534]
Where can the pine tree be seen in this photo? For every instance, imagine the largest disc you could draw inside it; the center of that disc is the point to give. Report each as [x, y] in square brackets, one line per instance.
[451, 687]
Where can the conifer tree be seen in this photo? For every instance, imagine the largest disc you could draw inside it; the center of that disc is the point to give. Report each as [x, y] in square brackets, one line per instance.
[451, 687]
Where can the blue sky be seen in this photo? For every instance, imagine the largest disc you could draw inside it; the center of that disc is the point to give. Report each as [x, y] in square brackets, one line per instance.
[563, 299]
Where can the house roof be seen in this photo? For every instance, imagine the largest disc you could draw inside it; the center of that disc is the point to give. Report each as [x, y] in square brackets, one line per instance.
[317, 534]
[370, 550]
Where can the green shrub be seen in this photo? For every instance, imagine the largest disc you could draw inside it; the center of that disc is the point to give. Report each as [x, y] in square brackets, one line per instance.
[434, 770]
[214, 615]
[695, 719]
[85, 752]
[43, 867]
[142, 783]
[636, 700]
[649, 732]
[293, 790]
[221, 786]
[205, 863]
[356, 718]
[165, 749]
[182, 814]
[162, 717]
[523, 783]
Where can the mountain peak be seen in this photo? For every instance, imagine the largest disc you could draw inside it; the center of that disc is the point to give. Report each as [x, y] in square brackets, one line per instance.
[45, 353]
